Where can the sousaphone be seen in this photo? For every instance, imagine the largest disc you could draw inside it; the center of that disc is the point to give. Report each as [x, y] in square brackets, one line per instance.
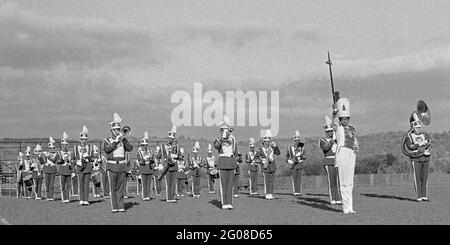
[424, 115]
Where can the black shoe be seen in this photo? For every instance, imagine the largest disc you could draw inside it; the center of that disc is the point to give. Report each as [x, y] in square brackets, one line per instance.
[425, 199]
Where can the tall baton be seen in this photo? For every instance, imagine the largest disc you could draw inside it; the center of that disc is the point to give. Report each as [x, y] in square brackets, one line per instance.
[331, 78]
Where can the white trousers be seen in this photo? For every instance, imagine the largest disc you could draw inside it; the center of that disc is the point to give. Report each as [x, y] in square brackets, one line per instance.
[345, 160]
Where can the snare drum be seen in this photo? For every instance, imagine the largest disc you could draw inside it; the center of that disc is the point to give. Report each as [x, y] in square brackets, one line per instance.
[214, 173]
[96, 178]
[27, 180]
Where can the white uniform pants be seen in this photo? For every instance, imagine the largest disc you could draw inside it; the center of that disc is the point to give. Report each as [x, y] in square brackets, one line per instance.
[345, 160]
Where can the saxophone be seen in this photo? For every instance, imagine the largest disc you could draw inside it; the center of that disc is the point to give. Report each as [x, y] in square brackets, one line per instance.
[251, 154]
[172, 154]
[65, 157]
[50, 157]
[269, 156]
[83, 159]
[36, 165]
[298, 156]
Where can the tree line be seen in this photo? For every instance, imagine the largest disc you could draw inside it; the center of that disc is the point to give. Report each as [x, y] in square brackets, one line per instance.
[379, 153]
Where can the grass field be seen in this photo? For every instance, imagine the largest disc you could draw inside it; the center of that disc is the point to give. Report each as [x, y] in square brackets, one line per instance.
[381, 205]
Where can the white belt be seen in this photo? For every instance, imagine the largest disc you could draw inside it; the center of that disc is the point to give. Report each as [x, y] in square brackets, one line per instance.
[224, 155]
[117, 162]
[330, 157]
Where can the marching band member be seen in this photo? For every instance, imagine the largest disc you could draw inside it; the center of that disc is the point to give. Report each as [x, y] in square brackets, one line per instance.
[188, 184]
[127, 175]
[237, 174]
[158, 170]
[37, 175]
[115, 148]
[210, 164]
[169, 153]
[138, 178]
[65, 168]
[181, 174]
[146, 161]
[19, 176]
[83, 157]
[96, 175]
[237, 171]
[419, 140]
[105, 178]
[195, 165]
[347, 145]
[265, 156]
[226, 146]
[27, 174]
[294, 157]
[74, 177]
[49, 169]
[328, 145]
[252, 167]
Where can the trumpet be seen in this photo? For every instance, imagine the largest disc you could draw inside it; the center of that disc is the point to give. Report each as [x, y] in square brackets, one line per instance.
[125, 130]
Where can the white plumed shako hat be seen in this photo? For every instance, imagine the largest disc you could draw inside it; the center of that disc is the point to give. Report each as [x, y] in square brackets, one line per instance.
[84, 133]
[343, 106]
[296, 135]
[51, 143]
[28, 151]
[267, 135]
[37, 149]
[251, 142]
[144, 141]
[225, 124]
[414, 120]
[196, 147]
[64, 139]
[115, 124]
[328, 124]
[172, 132]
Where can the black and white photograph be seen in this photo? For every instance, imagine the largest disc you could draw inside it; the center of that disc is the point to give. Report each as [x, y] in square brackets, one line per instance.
[178, 113]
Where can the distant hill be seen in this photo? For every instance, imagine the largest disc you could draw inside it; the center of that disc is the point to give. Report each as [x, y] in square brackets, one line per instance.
[379, 153]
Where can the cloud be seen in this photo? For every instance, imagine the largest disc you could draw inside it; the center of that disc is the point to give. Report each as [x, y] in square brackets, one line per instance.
[30, 40]
[247, 34]
[419, 61]
[229, 36]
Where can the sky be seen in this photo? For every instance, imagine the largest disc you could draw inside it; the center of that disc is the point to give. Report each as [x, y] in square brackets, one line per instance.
[69, 63]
